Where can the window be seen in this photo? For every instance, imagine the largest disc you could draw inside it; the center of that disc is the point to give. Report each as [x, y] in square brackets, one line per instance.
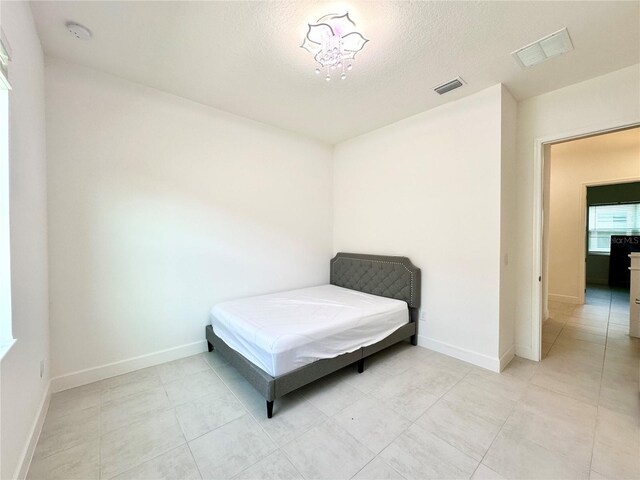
[607, 220]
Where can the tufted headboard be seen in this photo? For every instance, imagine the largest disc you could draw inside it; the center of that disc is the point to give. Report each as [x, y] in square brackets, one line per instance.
[386, 276]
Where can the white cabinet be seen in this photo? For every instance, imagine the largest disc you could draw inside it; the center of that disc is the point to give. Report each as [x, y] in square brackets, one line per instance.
[634, 296]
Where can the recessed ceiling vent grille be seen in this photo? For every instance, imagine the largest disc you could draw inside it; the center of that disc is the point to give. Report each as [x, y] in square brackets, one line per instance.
[547, 47]
[447, 87]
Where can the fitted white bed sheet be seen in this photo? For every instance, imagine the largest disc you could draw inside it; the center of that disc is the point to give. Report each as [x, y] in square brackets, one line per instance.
[284, 331]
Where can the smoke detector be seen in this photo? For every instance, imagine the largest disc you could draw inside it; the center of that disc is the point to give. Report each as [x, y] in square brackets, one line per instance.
[541, 50]
[78, 31]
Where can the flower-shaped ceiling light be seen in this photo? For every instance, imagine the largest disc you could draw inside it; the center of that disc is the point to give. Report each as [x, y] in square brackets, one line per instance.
[334, 42]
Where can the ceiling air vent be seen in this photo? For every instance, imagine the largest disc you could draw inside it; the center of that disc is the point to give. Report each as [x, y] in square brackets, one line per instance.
[447, 87]
[547, 47]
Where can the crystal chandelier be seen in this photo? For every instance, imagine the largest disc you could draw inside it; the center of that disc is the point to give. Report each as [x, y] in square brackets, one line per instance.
[333, 42]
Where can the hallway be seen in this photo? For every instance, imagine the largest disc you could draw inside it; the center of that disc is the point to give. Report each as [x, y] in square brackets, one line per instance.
[588, 354]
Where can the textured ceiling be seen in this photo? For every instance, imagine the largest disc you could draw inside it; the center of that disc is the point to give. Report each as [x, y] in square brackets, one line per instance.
[243, 57]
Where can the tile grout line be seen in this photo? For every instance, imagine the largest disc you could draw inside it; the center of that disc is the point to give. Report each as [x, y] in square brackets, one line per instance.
[66, 449]
[280, 449]
[368, 395]
[71, 446]
[149, 460]
[376, 455]
[283, 452]
[162, 383]
[100, 437]
[328, 419]
[494, 439]
[599, 386]
[171, 408]
[247, 413]
[174, 407]
[604, 356]
[513, 409]
[194, 460]
[410, 425]
[364, 466]
[181, 428]
[554, 339]
[430, 407]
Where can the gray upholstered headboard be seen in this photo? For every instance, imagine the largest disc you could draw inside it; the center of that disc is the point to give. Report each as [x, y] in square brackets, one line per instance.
[386, 276]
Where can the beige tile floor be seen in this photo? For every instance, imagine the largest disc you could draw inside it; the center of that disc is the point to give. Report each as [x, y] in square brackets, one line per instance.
[413, 413]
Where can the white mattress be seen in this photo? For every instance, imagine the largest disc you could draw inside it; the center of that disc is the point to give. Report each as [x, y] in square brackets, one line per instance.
[284, 331]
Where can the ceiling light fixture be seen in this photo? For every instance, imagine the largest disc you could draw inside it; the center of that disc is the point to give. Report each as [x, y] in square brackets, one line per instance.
[333, 41]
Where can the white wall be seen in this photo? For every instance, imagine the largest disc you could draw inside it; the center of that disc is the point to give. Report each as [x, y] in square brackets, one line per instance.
[508, 214]
[594, 104]
[429, 187]
[610, 158]
[159, 208]
[23, 391]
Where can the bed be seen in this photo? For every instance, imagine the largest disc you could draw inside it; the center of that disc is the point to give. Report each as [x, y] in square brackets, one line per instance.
[283, 341]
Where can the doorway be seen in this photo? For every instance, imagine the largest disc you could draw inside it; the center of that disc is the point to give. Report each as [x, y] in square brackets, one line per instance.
[588, 184]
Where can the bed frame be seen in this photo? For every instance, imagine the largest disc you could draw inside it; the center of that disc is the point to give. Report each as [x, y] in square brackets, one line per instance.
[386, 276]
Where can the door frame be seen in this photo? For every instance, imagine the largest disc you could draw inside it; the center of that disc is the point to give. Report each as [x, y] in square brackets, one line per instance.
[539, 144]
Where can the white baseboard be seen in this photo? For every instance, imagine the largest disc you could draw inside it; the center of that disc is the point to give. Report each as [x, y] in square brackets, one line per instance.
[34, 435]
[90, 375]
[565, 299]
[479, 359]
[507, 357]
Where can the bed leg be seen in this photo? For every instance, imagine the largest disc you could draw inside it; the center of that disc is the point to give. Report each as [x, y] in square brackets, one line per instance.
[269, 408]
[414, 340]
[210, 346]
[361, 365]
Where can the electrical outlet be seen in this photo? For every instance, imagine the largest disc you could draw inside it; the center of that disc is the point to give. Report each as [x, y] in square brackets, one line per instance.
[41, 368]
